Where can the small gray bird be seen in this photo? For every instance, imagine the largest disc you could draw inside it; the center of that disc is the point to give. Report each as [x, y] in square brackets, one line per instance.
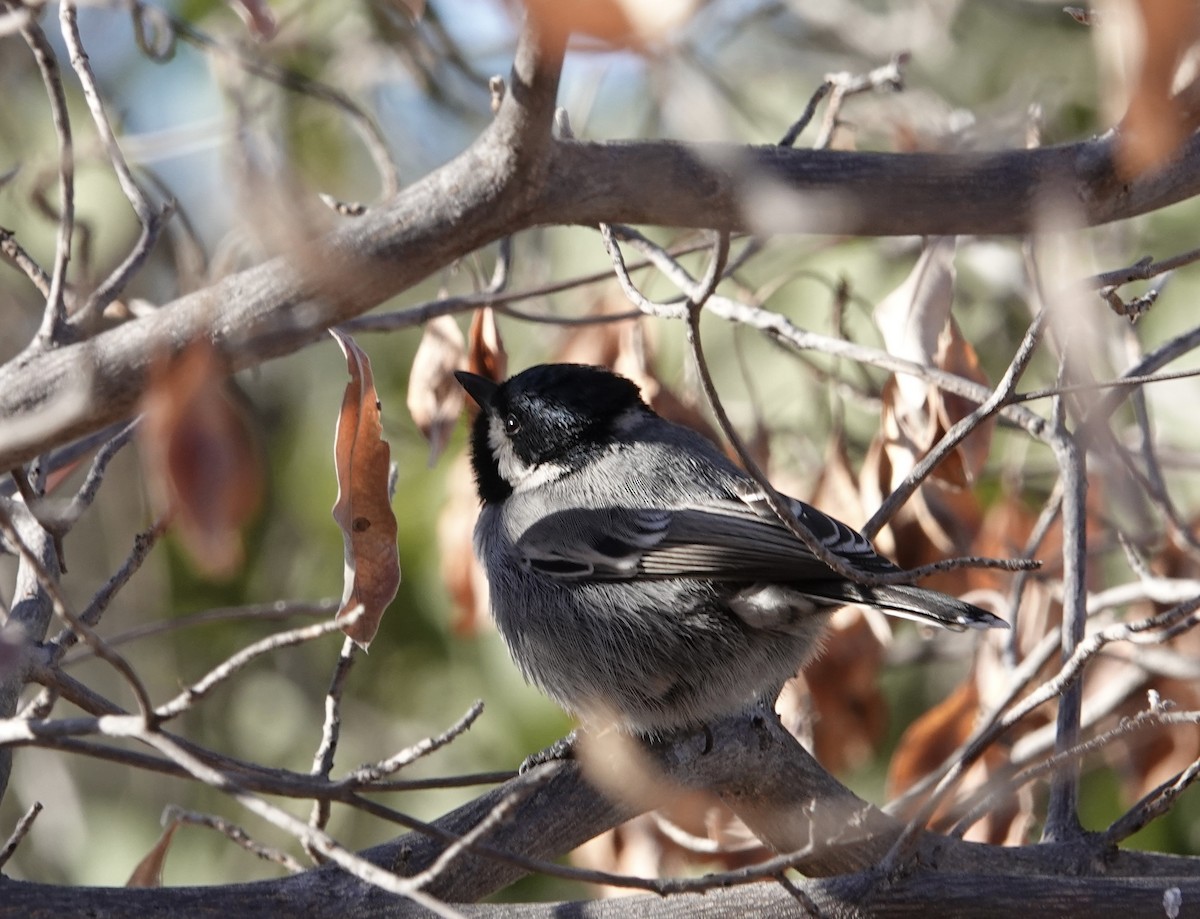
[636, 574]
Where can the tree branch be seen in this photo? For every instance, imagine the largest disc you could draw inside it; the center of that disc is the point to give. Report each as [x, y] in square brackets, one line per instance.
[513, 178]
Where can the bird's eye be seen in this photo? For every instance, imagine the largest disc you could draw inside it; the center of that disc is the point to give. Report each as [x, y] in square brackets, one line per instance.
[511, 425]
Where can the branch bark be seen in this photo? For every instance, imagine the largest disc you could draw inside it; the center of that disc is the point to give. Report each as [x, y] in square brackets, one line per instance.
[764, 775]
[513, 177]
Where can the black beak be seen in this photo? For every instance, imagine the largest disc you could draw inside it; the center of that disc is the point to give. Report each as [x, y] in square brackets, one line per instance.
[481, 389]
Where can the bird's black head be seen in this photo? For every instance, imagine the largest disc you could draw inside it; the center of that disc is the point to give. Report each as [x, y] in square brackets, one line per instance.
[542, 423]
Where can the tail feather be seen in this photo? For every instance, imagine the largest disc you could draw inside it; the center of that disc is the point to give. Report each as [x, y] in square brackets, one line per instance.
[910, 602]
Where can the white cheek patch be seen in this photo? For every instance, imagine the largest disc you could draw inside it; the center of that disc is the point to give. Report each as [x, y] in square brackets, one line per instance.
[515, 471]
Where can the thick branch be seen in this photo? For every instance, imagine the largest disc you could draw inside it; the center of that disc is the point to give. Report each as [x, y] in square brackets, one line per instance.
[760, 771]
[512, 178]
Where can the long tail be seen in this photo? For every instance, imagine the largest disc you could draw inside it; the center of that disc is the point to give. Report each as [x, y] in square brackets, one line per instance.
[909, 602]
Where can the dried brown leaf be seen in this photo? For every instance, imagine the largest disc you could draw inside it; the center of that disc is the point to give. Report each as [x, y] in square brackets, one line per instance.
[912, 316]
[202, 464]
[916, 324]
[630, 23]
[933, 737]
[461, 572]
[485, 348]
[364, 508]
[434, 397]
[149, 870]
[956, 355]
[594, 344]
[1154, 126]
[258, 18]
[843, 681]
[414, 8]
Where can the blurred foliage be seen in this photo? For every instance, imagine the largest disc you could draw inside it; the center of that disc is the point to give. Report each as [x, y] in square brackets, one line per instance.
[741, 70]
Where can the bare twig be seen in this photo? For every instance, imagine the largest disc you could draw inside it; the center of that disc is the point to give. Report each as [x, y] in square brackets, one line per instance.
[373, 773]
[265, 612]
[1062, 812]
[1142, 270]
[20, 831]
[498, 814]
[331, 731]
[235, 662]
[1153, 805]
[960, 429]
[63, 521]
[234, 834]
[151, 219]
[54, 320]
[308, 836]
[143, 542]
[76, 623]
[793, 133]
[24, 262]
[635, 296]
[890, 76]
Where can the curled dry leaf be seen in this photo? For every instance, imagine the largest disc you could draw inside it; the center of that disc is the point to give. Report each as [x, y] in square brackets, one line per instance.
[843, 682]
[693, 829]
[485, 348]
[434, 397]
[461, 572]
[1155, 125]
[364, 508]
[936, 735]
[148, 872]
[916, 325]
[623, 22]
[202, 464]
[414, 8]
[257, 16]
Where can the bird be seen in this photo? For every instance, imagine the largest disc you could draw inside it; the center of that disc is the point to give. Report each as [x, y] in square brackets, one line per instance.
[638, 576]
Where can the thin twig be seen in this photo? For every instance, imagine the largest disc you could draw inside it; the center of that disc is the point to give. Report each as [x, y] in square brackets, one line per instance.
[331, 730]
[234, 834]
[235, 662]
[54, 320]
[63, 521]
[308, 836]
[960, 429]
[631, 291]
[24, 262]
[1152, 805]
[372, 773]
[143, 542]
[265, 612]
[75, 623]
[496, 816]
[793, 133]
[890, 76]
[1062, 810]
[1159, 628]
[20, 831]
[1142, 270]
[1125, 382]
[150, 218]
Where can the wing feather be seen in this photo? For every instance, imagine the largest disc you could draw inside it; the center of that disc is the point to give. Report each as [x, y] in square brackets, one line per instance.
[733, 538]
